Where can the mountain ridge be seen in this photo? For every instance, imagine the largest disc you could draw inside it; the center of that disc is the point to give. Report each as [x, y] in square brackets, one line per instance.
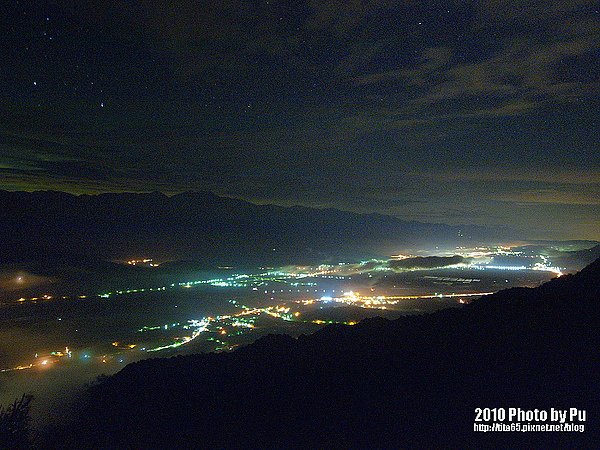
[205, 227]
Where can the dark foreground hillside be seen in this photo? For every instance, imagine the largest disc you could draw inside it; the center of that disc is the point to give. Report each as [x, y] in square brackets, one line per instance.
[410, 382]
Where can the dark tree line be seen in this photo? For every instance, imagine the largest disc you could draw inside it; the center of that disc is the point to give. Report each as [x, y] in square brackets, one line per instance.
[15, 423]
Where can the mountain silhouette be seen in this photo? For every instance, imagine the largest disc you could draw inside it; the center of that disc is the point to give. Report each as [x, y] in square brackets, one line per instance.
[203, 227]
[427, 262]
[415, 381]
[577, 258]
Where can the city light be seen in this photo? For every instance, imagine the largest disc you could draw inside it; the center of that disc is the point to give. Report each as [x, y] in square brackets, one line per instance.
[300, 282]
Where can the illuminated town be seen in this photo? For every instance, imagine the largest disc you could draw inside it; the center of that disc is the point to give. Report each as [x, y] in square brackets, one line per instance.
[283, 299]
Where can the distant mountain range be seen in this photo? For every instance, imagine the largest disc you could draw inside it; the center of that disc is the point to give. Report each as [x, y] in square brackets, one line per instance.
[203, 227]
[579, 257]
[411, 382]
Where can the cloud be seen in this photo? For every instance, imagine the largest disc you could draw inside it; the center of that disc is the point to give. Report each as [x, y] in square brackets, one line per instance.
[547, 59]
[335, 103]
[517, 80]
[554, 196]
[563, 176]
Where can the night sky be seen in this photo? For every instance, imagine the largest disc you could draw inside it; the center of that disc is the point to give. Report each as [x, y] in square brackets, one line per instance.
[481, 112]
